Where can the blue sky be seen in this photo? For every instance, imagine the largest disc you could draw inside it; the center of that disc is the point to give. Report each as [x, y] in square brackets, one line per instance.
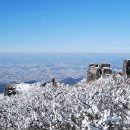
[79, 26]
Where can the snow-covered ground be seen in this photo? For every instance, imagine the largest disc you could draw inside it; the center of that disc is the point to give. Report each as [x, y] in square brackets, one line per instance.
[40, 72]
[100, 105]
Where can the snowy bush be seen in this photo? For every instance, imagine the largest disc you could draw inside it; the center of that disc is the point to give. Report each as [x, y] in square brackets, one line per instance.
[100, 105]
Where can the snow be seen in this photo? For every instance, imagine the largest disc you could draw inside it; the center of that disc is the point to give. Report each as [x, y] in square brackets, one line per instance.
[99, 105]
[23, 87]
[40, 72]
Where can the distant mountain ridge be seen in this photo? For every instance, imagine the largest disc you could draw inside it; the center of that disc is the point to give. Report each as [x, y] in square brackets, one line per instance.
[68, 80]
[2, 87]
[71, 81]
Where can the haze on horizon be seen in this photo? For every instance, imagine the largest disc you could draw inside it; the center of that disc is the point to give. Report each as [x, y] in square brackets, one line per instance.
[65, 26]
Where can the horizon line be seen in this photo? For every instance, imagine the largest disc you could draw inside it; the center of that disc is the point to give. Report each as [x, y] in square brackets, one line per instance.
[64, 52]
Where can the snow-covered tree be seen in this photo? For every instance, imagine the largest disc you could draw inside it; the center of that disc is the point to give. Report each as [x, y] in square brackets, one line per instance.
[100, 105]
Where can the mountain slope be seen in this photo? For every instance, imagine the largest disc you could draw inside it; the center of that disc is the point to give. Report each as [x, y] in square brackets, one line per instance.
[99, 105]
